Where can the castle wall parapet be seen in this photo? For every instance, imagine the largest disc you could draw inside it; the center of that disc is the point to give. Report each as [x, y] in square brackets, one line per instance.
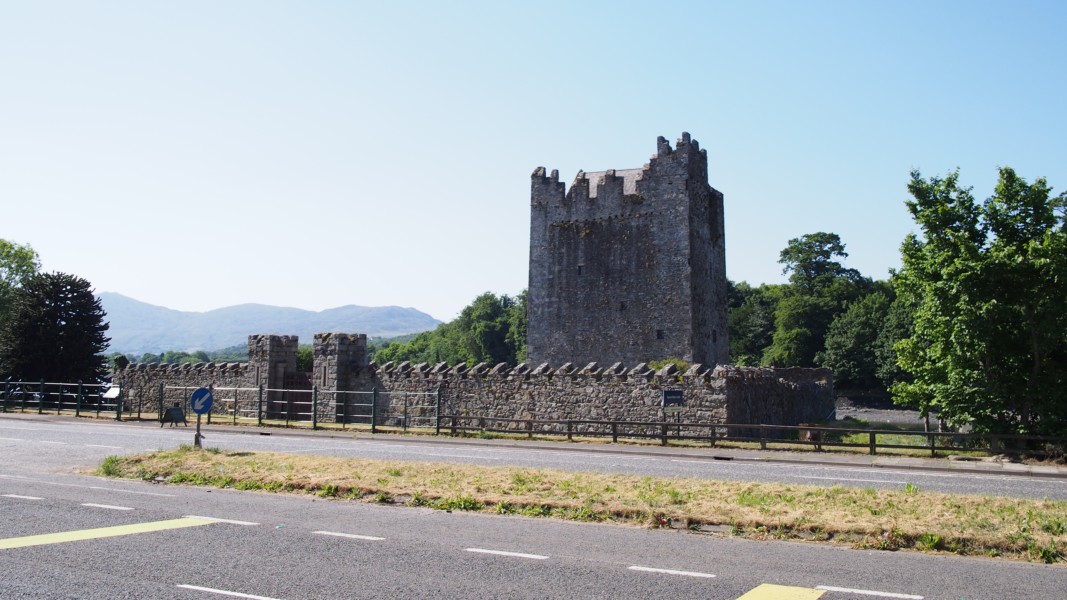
[618, 392]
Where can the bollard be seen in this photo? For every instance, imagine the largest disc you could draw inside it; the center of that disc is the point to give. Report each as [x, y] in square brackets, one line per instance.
[437, 425]
[373, 407]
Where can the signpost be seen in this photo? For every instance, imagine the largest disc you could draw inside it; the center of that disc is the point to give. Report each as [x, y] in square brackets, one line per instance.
[673, 401]
[200, 401]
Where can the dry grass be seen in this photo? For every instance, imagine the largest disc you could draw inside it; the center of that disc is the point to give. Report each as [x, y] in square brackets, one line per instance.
[1033, 530]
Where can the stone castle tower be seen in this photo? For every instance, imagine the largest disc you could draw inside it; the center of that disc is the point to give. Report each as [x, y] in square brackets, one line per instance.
[629, 265]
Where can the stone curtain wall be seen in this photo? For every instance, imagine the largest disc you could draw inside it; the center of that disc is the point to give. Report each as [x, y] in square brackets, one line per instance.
[737, 395]
[139, 384]
[743, 395]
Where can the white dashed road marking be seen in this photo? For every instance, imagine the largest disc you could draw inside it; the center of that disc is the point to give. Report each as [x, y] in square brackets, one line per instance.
[829, 588]
[512, 554]
[224, 592]
[22, 497]
[217, 520]
[350, 536]
[671, 572]
[107, 506]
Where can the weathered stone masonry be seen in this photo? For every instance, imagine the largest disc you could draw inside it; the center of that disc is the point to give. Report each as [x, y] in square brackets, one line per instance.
[740, 395]
[629, 265]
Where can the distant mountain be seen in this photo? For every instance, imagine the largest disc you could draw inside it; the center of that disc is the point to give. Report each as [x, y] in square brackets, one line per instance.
[137, 327]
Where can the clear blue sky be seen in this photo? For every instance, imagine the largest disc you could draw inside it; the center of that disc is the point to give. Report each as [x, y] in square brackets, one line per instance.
[314, 154]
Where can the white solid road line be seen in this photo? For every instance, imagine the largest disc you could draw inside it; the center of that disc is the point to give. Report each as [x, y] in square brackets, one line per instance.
[99, 446]
[848, 479]
[830, 588]
[224, 592]
[218, 520]
[107, 506]
[22, 497]
[503, 553]
[12, 439]
[88, 487]
[671, 572]
[54, 443]
[350, 535]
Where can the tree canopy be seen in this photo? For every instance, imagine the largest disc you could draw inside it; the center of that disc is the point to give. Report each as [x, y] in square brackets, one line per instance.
[55, 332]
[819, 288]
[17, 264]
[492, 329]
[988, 283]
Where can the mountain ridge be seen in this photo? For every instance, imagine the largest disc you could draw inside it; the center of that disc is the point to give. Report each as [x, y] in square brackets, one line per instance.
[137, 327]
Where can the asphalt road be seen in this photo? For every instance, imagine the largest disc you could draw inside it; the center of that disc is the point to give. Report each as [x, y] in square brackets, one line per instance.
[275, 546]
[61, 442]
[287, 547]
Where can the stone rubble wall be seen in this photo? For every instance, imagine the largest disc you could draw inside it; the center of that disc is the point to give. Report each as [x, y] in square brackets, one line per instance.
[408, 394]
[740, 395]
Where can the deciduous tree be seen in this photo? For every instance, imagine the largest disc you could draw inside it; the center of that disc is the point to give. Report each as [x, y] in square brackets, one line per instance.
[989, 286]
[819, 287]
[17, 264]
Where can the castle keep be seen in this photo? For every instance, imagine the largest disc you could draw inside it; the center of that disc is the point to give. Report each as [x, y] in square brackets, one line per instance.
[629, 265]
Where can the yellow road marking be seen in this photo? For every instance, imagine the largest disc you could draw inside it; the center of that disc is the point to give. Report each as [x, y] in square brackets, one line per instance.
[769, 591]
[102, 532]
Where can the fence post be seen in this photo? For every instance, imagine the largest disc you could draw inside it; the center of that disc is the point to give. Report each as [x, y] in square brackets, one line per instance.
[570, 427]
[7, 392]
[712, 437]
[529, 429]
[78, 405]
[874, 446]
[614, 432]
[118, 407]
[211, 389]
[40, 399]
[259, 407]
[236, 402]
[663, 434]
[161, 402]
[373, 407]
[405, 414]
[933, 446]
[314, 407]
[762, 437]
[437, 426]
[453, 432]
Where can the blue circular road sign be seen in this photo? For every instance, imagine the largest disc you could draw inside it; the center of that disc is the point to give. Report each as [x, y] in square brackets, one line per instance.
[200, 400]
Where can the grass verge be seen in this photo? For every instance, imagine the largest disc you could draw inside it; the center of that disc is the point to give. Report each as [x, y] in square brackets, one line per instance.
[1034, 530]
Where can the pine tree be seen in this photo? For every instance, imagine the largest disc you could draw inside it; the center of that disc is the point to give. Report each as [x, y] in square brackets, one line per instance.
[55, 332]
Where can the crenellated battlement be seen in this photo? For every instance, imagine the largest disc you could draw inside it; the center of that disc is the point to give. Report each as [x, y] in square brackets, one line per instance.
[591, 390]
